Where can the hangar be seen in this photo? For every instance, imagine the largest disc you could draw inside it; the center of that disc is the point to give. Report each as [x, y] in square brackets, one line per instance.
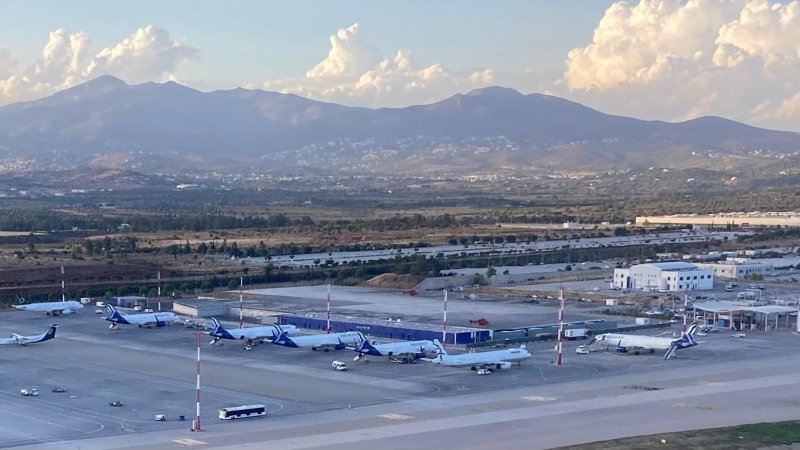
[664, 276]
[742, 316]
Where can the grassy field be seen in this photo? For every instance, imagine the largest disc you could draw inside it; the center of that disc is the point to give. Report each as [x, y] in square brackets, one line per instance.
[746, 437]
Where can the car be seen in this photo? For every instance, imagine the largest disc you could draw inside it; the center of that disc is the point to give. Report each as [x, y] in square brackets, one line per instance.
[59, 389]
[582, 350]
[30, 392]
[115, 403]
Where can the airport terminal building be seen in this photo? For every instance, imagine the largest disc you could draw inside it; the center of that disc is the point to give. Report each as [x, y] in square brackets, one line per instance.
[666, 276]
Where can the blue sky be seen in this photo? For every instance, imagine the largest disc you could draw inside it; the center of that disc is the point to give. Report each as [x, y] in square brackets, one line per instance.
[653, 59]
[246, 41]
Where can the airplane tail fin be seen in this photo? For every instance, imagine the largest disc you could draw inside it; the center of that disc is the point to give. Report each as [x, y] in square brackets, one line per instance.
[283, 339]
[686, 341]
[51, 333]
[439, 348]
[219, 331]
[693, 329]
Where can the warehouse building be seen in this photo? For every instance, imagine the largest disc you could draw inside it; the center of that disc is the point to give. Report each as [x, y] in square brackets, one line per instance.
[664, 277]
[388, 329]
[738, 268]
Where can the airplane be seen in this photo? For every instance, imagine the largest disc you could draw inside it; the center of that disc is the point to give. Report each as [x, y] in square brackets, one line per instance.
[18, 339]
[336, 341]
[249, 334]
[52, 308]
[483, 361]
[626, 342]
[143, 320]
[396, 351]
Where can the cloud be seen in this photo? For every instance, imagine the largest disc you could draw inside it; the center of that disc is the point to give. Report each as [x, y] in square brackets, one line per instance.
[66, 60]
[7, 64]
[355, 72]
[671, 59]
[147, 54]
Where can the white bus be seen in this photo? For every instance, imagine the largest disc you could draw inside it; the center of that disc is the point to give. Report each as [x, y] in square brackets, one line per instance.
[236, 412]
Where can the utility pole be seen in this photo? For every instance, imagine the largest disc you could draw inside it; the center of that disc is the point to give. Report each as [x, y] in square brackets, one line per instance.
[559, 358]
[328, 309]
[196, 423]
[159, 291]
[241, 309]
[444, 321]
[63, 286]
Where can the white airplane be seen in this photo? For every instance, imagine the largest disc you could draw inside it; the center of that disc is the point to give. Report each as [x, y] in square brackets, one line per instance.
[18, 339]
[249, 334]
[148, 320]
[396, 351]
[497, 359]
[52, 308]
[626, 342]
[336, 341]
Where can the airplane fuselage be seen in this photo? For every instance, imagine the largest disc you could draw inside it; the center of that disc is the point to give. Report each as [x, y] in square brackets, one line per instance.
[52, 308]
[483, 358]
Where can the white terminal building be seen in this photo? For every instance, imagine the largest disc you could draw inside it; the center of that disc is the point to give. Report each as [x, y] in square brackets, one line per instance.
[738, 268]
[665, 276]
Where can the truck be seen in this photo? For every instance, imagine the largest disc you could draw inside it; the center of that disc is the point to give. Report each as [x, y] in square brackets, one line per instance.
[576, 333]
[339, 366]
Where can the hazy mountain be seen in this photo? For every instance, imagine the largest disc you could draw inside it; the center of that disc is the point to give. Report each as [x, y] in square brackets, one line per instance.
[107, 122]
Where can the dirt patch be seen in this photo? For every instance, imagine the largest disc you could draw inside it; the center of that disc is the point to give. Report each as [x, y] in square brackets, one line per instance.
[394, 281]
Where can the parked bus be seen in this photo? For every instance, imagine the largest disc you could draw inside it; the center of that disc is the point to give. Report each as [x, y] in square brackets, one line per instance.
[236, 412]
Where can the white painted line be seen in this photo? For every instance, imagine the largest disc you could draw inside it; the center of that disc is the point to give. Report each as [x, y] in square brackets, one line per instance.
[712, 383]
[395, 416]
[189, 442]
[537, 398]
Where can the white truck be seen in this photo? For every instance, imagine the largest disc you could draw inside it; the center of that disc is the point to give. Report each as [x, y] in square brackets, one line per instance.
[576, 333]
[338, 365]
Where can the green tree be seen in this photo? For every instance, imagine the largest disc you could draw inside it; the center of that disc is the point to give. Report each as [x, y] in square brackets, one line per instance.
[490, 272]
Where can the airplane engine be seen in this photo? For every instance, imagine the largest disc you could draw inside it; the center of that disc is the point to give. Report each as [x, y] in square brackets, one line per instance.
[503, 365]
[339, 346]
[160, 324]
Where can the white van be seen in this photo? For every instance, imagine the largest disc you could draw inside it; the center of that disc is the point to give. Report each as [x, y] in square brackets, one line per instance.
[338, 365]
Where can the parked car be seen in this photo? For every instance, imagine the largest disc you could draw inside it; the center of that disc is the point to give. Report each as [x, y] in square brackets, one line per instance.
[115, 403]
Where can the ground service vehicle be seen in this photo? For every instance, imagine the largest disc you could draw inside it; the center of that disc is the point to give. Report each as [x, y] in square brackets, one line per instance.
[338, 365]
[577, 333]
[236, 412]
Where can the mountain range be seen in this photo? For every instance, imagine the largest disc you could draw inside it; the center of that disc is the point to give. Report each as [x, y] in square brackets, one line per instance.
[154, 126]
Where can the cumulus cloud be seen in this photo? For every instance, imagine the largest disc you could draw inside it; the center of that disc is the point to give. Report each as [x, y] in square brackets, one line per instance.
[7, 63]
[355, 72]
[66, 60]
[673, 59]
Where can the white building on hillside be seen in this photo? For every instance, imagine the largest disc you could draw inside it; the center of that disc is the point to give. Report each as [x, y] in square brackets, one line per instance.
[666, 276]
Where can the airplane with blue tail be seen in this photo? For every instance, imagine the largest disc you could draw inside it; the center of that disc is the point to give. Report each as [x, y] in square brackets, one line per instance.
[143, 320]
[395, 351]
[249, 334]
[18, 339]
[336, 341]
[627, 342]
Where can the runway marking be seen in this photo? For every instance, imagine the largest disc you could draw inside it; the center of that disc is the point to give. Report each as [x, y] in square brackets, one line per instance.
[537, 398]
[712, 383]
[395, 416]
[189, 442]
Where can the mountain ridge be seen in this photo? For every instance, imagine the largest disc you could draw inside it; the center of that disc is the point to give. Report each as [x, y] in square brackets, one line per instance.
[490, 128]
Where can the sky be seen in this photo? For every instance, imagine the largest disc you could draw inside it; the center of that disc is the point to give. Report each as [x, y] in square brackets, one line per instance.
[652, 59]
